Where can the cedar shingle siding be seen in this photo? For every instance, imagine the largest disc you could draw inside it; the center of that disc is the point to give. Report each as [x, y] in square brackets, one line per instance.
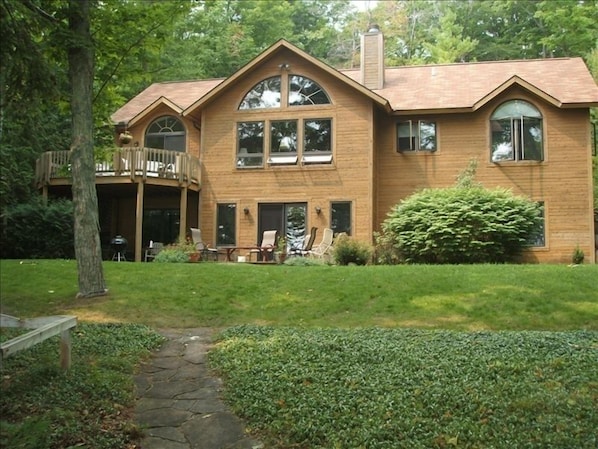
[366, 168]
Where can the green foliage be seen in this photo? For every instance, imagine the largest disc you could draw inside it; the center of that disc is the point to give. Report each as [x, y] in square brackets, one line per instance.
[172, 255]
[348, 251]
[578, 256]
[41, 406]
[298, 261]
[462, 225]
[32, 230]
[385, 250]
[177, 252]
[382, 388]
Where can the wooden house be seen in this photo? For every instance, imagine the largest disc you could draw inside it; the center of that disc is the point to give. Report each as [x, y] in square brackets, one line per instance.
[289, 143]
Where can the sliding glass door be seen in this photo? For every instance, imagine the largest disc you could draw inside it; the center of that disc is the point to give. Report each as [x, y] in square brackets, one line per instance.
[287, 218]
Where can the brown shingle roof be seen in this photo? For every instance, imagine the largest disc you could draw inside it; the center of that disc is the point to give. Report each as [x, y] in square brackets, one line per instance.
[181, 93]
[566, 81]
[457, 86]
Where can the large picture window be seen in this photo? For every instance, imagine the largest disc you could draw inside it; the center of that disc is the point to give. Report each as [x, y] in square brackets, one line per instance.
[415, 135]
[294, 136]
[517, 135]
[284, 147]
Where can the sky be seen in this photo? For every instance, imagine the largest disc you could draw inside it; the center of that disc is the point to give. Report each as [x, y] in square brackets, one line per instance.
[362, 5]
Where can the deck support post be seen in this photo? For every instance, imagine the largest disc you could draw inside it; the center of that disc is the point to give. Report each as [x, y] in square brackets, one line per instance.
[183, 213]
[139, 221]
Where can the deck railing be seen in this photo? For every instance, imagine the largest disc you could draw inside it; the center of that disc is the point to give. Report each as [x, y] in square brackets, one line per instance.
[126, 162]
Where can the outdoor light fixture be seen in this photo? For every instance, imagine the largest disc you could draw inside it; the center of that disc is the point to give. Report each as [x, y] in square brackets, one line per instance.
[285, 66]
[318, 210]
[246, 210]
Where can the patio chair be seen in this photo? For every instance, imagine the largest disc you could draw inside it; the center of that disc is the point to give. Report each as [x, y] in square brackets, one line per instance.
[152, 251]
[204, 249]
[324, 246]
[308, 243]
[266, 248]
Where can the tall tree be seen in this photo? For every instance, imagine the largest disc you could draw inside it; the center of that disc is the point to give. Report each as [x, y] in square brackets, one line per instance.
[449, 44]
[88, 250]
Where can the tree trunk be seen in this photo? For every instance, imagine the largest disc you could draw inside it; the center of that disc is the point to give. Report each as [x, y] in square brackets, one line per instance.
[88, 249]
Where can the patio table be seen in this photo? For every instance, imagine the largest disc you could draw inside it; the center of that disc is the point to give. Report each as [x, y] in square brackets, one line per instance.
[230, 250]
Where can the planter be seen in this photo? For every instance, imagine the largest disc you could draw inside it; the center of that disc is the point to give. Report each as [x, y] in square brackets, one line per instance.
[194, 257]
[125, 138]
[280, 257]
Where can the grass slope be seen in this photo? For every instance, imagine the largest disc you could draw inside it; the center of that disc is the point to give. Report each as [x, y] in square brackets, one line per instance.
[465, 297]
[498, 356]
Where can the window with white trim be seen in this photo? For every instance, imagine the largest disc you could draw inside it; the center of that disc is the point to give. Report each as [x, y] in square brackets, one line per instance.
[416, 135]
[516, 132]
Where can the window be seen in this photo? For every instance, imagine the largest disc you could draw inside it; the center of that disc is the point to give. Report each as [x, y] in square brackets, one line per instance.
[283, 142]
[317, 142]
[250, 137]
[166, 133]
[304, 91]
[317, 138]
[416, 136]
[160, 225]
[516, 128]
[538, 238]
[340, 220]
[286, 140]
[226, 216]
[264, 95]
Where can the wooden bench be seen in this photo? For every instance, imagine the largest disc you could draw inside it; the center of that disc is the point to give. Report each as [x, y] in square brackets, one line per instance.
[43, 328]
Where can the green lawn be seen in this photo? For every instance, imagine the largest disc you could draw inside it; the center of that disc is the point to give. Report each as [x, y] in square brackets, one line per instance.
[468, 297]
[484, 356]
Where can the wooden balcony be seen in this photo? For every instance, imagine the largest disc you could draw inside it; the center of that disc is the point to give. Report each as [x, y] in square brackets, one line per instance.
[126, 165]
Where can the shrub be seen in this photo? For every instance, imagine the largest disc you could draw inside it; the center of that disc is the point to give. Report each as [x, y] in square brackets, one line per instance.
[578, 256]
[36, 231]
[462, 225]
[385, 251]
[350, 251]
[172, 255]
[297, 261]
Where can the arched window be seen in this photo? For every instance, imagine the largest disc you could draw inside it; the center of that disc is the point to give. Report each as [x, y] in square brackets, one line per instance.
[166, 133]
[265, 94]
[303, 91]
[517, 135]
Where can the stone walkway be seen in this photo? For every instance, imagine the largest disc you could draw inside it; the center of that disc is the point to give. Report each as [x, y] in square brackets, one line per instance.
[179, 405]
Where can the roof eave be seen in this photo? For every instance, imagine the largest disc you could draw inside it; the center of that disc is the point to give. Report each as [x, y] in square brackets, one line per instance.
[159, 102]
[516, 80]
[381, 101]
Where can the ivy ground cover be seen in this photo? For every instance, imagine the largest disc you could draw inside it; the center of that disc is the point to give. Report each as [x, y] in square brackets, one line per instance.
[407, 388]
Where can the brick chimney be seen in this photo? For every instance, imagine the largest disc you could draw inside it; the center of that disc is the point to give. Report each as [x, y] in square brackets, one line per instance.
[372, 58]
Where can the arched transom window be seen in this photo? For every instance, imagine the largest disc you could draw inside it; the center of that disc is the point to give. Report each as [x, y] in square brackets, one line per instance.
[268, 93]
[517, 135]
[296, 134]
[167, 133]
